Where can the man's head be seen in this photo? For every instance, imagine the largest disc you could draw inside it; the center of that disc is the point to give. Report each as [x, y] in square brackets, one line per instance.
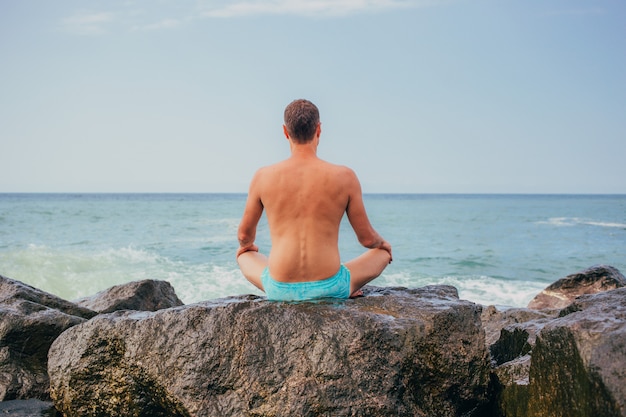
[302, 119]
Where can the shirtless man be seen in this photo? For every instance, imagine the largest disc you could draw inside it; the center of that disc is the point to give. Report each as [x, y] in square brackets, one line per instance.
[305, 199]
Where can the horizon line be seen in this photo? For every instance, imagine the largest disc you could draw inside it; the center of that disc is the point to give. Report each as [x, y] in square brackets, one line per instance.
[443, 193]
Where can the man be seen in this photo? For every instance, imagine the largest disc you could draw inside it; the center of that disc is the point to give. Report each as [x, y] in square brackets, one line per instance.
[305, 199]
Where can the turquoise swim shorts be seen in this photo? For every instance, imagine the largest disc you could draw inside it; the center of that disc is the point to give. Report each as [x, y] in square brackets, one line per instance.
[337, 286]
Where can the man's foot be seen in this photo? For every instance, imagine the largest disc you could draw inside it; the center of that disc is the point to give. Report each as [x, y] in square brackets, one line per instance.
[357, 293]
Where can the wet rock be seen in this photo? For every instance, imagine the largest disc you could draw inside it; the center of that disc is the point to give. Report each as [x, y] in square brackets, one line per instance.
[593, 280]
[28, 408]
[510, 337]
[578, 365]
[570, 362]
[30, 320]
[495, 321]
[401, 352]
[146, 295]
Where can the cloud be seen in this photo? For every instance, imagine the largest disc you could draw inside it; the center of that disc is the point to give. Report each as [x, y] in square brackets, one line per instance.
[172, 15]
[306, 7]
[88, 23]
[163, 24]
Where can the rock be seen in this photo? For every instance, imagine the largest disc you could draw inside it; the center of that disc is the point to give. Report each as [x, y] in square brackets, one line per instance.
[569, 364]
[510, 337]
[14, 292]
[28, 408]
[146, 295]
[510, 392]
[494, 321]
[30, 320]
[590, 281]
[396, 351]
[514, 372]
[518, 329]
[578, 365]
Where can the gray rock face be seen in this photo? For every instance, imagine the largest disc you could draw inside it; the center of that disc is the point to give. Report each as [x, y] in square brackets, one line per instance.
[499, 325]
[578, 366]
[569, 362]
[28, 408]
[399, 352]
[593, 280]
[146, 295]
[510, 336]
[30, 320]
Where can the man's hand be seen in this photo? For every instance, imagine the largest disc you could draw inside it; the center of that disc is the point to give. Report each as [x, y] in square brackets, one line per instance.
[249, 248]
[387, 247]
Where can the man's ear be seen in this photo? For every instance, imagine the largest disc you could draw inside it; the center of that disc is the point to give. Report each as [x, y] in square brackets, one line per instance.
[285, 131]
[319, 129]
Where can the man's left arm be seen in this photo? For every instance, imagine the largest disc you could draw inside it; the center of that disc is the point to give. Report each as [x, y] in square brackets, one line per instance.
[246, 233]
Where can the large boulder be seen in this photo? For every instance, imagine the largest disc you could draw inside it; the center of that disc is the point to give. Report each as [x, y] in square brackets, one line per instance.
[593, 280]
[145, 295]
[578, 365]
[560, 363]
[510, 336]
[30, 320]
[401, 352]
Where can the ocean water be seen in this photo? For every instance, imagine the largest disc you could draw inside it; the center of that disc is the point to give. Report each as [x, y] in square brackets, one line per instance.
[495, 249]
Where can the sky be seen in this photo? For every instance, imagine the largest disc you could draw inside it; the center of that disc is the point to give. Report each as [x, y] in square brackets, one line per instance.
[417, 96]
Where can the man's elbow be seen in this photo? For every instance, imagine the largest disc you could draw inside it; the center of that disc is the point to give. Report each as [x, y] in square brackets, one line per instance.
[245, 237]
[370, 242]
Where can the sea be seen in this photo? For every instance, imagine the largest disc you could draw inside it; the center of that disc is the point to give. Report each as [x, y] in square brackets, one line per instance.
[495, 249]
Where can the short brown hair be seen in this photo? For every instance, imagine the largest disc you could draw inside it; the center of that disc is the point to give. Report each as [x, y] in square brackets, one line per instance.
[301, 118]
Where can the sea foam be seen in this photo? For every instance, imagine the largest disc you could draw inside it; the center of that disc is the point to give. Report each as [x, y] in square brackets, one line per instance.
[576, 221]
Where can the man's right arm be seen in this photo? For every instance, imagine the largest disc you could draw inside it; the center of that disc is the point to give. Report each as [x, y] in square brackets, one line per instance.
[366, 234]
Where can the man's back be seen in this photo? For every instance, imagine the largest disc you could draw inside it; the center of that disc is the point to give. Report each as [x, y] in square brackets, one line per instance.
[305, 199]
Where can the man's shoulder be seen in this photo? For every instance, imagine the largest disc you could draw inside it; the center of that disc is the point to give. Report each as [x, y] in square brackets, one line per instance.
[346, 173]
[267, 174]
[268, 169]
[339, 168]
[337, 171]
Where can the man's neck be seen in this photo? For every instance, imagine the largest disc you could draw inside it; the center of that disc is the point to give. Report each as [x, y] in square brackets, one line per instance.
[304, 150]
